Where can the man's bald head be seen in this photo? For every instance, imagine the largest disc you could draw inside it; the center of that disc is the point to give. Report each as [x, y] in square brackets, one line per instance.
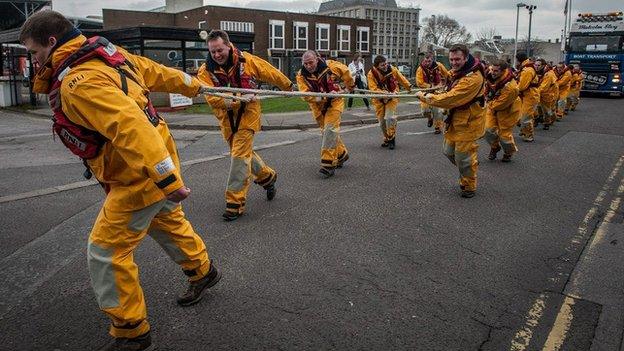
[310, 60]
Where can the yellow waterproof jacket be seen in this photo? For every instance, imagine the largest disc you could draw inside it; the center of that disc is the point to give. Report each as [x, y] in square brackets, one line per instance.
[576, 82]
[373, 84]
[420, 79]
[420, 76]
[258, 69]
[339, 73]
[138, 165]
[549, 90]
[563, 82]
[506, 105]
[468, 123]
[528, 83]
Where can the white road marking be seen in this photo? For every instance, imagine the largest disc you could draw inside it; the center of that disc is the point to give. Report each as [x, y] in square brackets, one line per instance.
[86, 183]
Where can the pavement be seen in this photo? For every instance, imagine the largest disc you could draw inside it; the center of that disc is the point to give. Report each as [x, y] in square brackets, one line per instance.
[270, 121]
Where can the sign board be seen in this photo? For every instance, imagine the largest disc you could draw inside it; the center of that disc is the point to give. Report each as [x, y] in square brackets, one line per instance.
[598, 27]
[178, 100]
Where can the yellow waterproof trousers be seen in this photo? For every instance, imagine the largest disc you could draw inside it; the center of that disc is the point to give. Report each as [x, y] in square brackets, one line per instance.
[527, 113]
[561, 103]
[110, 256]
[547, 110]
[386, 115]
[433, 114]
[245, 164]
[463, 154]
[333, 150]
[573, 99]
[499, 135]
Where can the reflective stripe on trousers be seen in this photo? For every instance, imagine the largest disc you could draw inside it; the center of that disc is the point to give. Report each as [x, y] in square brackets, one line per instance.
[245, 164]
[110, 257]
[463, 154]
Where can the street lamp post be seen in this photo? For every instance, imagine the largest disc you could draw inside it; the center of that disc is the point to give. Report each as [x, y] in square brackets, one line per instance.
[530, 8]
[518, 6]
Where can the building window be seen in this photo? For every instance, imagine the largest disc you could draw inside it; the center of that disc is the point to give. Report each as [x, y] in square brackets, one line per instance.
[357, 13]
[276, 34]
[368, 13]
[234, 26]
[344, 38]
[322, 36]
[202, 25]
[276, 62]
[363, 38]
[300, 35]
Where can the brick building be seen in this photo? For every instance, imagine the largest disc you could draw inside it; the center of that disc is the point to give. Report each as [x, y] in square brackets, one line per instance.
[278, 37]
[395, 29]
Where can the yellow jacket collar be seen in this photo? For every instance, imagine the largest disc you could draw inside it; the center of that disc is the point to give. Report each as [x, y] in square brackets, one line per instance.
[61, 53]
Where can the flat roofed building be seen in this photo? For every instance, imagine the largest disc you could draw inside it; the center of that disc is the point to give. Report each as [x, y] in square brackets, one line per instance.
[395, 29]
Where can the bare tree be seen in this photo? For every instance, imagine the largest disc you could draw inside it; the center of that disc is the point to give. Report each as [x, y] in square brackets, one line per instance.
[444, 31]
[485, 34]
[536, 49]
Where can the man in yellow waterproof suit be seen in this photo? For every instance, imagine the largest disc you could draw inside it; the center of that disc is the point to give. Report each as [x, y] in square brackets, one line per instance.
[564, 77]
[503, 110]
[548, 90]
[226, 66]
[431, 74]
[465, 123]
[320, 76]
[99, 96]
[383, 78]
[576, 83]
[527, 84]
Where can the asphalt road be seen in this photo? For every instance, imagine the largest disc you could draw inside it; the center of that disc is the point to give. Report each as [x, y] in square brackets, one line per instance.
[383, 256]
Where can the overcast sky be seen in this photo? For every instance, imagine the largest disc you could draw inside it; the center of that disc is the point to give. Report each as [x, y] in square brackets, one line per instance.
[474, 14]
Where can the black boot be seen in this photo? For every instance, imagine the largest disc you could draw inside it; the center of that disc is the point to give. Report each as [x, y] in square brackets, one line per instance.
[493, 153]
[230, 216]
[196, 289]
[141, 343]
[467, 193]
[506, 158]
[342, 159]
[392, 143]
[326, 172]
[385, 143]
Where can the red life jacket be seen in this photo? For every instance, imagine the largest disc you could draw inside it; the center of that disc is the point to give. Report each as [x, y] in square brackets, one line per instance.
[472, 65]
[431, 74]
[234, 76]
[385, 80]
[321, 81]
[81, 141]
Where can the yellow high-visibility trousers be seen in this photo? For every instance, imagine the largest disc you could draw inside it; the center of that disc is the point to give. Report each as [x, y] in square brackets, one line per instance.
[548, 111]
[110, 256]
[386, 115]
[245, 164]
[527, 113]
[463, 154]
[500, 135]
[333, 150]
[434, 114]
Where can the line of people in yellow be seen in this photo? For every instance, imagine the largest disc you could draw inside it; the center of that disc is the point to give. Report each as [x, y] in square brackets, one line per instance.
[99, 94]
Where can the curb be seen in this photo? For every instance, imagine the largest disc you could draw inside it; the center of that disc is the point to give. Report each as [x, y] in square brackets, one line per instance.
[302, 126]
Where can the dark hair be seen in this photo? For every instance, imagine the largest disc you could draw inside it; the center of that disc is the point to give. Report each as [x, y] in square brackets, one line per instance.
[521, 56]
[378, 60]
[460, 47]
[429, 54]
[500, 63]
[218, 33]
[43, 25]
[542, 61]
